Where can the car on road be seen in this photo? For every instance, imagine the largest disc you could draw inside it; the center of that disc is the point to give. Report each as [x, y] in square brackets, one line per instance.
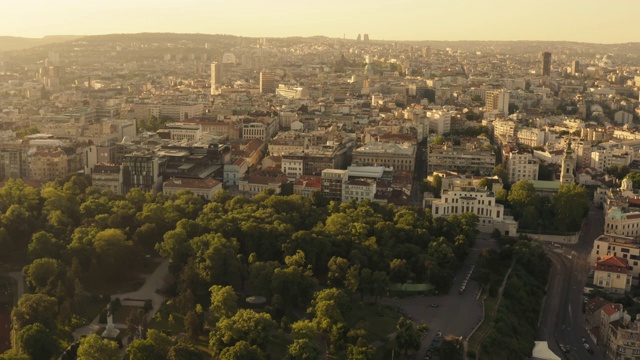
[584, 340]
[589, 350]
[565, 348]
[434, 305]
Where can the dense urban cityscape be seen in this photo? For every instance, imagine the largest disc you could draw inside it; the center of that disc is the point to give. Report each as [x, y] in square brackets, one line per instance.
[193, 196]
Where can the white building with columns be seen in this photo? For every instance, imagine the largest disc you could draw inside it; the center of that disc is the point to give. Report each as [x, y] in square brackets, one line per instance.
[478, 201]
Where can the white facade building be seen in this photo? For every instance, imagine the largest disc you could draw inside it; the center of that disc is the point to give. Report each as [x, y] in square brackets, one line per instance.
[358, 189]
[620, 223]
[621, 246]
[522, 166]
[201, 187]
[478, 201]
[233, 172]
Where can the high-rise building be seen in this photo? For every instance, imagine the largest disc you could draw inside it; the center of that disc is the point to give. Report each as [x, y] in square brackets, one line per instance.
[426, 51]
[497, 100]
[546, 63]
[575, 67]
[358, 38]
[216, 77]
[268, 84]
[366, 38]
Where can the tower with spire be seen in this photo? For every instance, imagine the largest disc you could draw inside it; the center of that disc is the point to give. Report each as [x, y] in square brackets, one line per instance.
[568, 166]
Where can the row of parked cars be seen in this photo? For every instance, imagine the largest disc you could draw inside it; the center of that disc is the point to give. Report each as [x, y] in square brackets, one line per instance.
[434, 344]
[466, 279]
[567, 349]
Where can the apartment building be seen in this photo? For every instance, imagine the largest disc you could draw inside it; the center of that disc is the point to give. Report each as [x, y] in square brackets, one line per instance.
[290, 141]
[607, 155]
[107, 177]
[253, 184]
[14, 161]
[530, 136]
[396, 156]
[48, 165]
[521, 166]
[358, 189]
[143, 170]
[620, 246]
[611, 274]
[623, 340]
[260, 128]
[234, 171]
[332, 181]
[497, 100]
[622, 223]
[504, 131]
[471, 157]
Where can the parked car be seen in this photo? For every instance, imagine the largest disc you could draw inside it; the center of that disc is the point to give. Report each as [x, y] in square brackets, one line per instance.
[434, 305]
[589, 350]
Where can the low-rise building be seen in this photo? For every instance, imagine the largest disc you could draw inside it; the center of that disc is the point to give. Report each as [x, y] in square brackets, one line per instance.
[612, 275]
[253, 184]
[201, 187]
[107, 177]
[620, 246]
[622, 223]
[233, 172]
[358, 189]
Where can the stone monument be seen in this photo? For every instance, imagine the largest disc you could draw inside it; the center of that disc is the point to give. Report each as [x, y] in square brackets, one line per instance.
[110, 331]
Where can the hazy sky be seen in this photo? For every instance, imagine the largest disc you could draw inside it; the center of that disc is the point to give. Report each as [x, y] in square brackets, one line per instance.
[603, 21]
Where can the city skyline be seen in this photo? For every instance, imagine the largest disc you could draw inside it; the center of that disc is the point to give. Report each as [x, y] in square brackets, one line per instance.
[409, 20]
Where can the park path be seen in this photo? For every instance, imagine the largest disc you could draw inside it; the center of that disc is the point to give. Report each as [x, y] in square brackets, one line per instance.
[153, 282]
[495, 310]
[18, 276]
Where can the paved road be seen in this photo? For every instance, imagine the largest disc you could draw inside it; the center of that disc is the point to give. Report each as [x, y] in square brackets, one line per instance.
[448, 317]
[562, 320]
[419, 175]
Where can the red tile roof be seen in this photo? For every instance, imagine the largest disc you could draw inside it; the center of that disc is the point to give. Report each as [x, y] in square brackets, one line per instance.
[609, 309]
[612, 264]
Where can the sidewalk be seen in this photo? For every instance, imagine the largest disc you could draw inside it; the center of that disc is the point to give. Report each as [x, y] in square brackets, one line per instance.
[153, 282]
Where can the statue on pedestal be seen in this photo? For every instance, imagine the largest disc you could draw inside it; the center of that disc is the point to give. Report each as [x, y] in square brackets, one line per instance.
[110, 331]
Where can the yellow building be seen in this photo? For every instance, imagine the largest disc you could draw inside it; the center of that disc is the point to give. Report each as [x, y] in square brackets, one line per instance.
[612, 274]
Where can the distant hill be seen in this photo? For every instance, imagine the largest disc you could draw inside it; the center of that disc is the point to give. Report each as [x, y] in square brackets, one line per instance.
[8, 43]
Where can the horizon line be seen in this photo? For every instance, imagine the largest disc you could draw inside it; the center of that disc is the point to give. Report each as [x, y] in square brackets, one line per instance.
[325, 36]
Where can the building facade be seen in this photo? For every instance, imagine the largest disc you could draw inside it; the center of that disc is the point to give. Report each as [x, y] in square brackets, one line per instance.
[478, 201]
[611, 274]
[522, 166]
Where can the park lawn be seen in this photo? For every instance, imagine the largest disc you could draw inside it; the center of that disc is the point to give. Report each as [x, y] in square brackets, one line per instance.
[92, 308]
[278, 346]
[121, 316]
[203, 345]
[378, 320]
[161, 320]
[100, 286]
